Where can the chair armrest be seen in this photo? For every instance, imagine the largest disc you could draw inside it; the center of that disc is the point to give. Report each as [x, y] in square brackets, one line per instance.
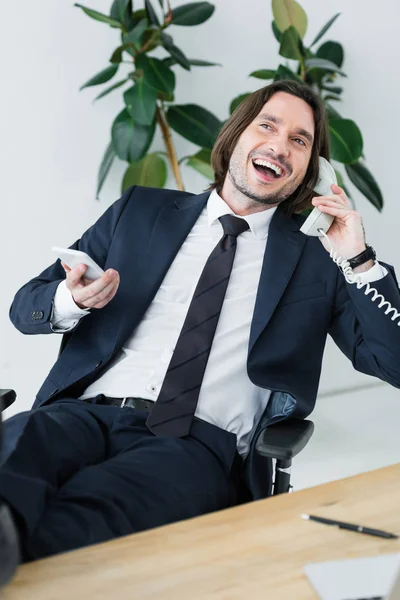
[285, 439]
[7, 397]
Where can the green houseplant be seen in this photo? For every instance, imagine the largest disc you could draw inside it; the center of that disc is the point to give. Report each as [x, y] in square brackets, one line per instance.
[149, 91]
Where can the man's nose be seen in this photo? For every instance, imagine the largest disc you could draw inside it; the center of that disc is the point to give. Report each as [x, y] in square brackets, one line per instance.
[279, 146]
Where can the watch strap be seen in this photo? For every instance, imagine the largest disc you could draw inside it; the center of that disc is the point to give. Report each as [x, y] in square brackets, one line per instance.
[364, 256]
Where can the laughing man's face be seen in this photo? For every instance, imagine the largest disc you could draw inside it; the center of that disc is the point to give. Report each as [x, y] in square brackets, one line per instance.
[271, 156]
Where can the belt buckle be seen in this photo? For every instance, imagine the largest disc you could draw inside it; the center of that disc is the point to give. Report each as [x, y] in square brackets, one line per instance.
[123, 402]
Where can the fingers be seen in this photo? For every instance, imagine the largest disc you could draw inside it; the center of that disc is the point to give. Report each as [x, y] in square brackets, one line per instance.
[338, 196]
[99, 292]
[74, 276]
[65, 267]
[338, 191]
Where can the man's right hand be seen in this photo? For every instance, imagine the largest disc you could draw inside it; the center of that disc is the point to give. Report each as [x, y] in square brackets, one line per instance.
[91, 294]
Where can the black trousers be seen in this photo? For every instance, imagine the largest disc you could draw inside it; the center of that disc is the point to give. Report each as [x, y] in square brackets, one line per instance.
[76, 473]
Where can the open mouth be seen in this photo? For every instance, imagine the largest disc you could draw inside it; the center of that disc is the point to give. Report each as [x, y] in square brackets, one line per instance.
[267, 170]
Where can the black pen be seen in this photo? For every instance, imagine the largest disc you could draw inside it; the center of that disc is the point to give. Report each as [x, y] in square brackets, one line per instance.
[351, 527]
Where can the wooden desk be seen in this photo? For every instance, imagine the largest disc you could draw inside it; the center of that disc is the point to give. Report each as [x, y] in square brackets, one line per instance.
[253, 551]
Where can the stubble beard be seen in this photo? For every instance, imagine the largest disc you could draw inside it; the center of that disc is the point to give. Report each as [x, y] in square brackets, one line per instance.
[239, 181]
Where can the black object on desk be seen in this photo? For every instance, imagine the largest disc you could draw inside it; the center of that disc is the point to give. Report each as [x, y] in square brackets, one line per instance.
[351, 527]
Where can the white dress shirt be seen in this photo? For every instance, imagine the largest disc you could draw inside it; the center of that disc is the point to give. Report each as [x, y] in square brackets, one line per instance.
[227, 397]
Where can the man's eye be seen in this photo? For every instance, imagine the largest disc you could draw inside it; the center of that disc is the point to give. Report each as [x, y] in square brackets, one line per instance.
[300, 141]
[266, 125]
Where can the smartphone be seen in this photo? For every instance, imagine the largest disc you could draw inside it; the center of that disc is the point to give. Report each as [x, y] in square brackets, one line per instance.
[317, 220]
[72, 258]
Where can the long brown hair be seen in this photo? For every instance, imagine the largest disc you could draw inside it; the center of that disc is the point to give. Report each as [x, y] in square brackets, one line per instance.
[246, 112]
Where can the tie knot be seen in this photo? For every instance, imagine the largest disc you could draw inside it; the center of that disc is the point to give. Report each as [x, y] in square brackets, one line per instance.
[233, 225]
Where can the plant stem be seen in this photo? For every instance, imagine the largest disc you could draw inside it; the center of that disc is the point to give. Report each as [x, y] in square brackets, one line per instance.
[169, 144]
[302, 69]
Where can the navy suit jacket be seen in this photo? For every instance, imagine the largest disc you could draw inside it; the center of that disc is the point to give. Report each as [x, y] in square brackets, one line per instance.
[302, 297]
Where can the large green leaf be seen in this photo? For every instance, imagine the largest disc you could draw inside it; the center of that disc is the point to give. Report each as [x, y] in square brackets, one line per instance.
[332, 112]
[238, 100]
[151, 13]
[276, 31]
[175, 52]
[287, 13]
[321, 63]
[200, 162]
[156, 74]
[263, 74]
[98, 16]
[110, 89]
[192, 14]
[284, 72]
[365, 182]
[290, 44]
[346, 140]
[140, 101]
[130, 140]
[102, 77]
[324, 29]
[194, 123]
[119, 10]
[151, 171]
[332, 51]
[105, 166]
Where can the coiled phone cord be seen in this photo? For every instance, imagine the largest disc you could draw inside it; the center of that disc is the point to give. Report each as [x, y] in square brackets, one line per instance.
[352, 277]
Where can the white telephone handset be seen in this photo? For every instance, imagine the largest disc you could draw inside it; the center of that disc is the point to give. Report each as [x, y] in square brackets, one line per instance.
[318, 221]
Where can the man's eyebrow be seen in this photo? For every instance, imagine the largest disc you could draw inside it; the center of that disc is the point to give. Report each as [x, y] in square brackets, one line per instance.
[305, 134]
[271, 118]
[279, 121]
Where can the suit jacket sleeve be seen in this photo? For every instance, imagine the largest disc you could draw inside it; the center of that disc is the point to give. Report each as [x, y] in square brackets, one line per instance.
[362, 330]
[31, 309]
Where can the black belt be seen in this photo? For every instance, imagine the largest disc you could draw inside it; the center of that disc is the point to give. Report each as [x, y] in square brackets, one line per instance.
[138, 403]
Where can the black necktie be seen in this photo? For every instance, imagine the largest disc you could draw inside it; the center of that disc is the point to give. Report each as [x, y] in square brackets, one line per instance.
[173, 413]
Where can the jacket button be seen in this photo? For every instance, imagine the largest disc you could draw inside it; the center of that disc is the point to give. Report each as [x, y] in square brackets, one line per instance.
[36, 315]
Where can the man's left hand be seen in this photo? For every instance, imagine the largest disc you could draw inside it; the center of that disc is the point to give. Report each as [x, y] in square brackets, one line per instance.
[346, 234]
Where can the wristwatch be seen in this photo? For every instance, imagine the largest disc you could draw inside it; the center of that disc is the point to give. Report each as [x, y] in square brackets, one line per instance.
[367, 254]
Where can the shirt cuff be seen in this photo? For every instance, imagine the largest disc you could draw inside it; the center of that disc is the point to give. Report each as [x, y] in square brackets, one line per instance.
[65, 314]
[373, 274]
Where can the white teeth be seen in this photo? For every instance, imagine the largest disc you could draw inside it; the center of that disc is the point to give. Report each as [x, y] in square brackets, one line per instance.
[265, 163]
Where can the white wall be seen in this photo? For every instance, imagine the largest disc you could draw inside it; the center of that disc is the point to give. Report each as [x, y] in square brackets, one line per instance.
[52, 137]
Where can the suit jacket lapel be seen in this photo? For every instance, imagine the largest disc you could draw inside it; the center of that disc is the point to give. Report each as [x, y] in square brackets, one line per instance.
[171, 227]
[283, 250]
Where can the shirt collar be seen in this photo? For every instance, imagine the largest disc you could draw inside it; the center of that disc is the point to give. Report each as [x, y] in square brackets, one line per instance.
[258, 222]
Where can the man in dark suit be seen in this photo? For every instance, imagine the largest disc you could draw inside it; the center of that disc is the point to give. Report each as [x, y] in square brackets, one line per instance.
[209, 323]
